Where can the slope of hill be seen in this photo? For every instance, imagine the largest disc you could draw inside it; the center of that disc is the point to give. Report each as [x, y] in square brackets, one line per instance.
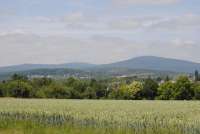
[26, 67]
[122, 67]
[60, 73]
[156, 63]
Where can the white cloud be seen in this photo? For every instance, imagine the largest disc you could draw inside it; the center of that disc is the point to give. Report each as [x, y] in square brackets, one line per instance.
[6, 12]
[74, 17]
[178, 48]
[29, 48]
[22, 48]
[182, 22]
[186, 23]
[127, 24]
[84, 23]
[136, 2]
[178, 42]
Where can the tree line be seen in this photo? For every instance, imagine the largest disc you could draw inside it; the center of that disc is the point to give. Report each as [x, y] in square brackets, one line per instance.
[73, 88]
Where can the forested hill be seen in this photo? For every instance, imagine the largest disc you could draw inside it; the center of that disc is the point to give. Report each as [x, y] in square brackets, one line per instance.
[157, 63]
[144, 63]
[26, 67]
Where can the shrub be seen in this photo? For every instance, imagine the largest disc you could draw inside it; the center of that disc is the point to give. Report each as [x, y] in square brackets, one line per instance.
[166, 91]
[183, 88]
[19, 89]
[149, 89]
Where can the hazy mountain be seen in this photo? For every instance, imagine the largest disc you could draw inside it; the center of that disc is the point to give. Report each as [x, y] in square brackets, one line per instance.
[145, 63]
[156, 63]
[25, 67]
[78, 65]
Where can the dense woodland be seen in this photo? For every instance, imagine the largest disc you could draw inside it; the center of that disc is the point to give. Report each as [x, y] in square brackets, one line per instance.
[73, 88]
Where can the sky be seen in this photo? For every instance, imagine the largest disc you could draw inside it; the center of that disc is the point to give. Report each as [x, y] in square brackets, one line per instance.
[97, 31]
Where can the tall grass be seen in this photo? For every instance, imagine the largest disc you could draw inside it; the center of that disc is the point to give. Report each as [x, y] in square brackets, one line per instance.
[103, 116]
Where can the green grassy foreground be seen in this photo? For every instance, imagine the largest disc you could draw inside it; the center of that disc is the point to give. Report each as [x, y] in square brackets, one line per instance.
[28, 127]
[49, 116]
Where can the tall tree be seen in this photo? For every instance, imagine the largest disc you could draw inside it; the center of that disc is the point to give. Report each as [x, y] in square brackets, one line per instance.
[183, 88]
[149, 89]
[196, 75]
[167, 78]
[19, 77]
[166, 91]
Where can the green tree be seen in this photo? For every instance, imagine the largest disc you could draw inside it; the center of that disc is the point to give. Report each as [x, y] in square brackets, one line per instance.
[78, 86]
[149, 89]
[41, 92]
[19, 88]
[132, 90]
[196, 88]
[70, 81]
[19, 77]
[89, 93]
[115, 91]
[55, 90]
[123, 92]
[2, 90]
[59, 91]
[166, 91]
[196, 74]
[39, 82]
[98, 87]
[183, 88]
[167, 78]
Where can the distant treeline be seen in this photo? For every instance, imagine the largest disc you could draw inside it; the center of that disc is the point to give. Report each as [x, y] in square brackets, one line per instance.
[72, 88]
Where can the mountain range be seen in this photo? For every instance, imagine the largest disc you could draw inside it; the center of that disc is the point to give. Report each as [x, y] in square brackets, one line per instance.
[134, 65]
[157, 63]
[26, 67]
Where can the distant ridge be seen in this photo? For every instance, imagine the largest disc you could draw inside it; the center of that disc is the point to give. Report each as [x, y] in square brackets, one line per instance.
[143, 62]
[26, 67]
[157, 63]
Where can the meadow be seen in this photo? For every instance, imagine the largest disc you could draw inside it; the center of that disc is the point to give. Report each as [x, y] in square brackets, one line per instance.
[37, 116]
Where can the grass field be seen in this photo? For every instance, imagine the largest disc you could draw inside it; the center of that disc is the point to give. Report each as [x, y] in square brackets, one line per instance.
[19, 116]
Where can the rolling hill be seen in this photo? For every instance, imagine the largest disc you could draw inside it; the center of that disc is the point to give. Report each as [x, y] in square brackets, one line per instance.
[156, 63]
[26, 67]
[147, 63]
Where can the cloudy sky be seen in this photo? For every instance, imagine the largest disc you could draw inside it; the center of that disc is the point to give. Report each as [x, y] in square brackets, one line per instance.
[97, 31]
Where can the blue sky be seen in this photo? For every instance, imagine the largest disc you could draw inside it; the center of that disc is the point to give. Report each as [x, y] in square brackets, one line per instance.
[97, 31]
